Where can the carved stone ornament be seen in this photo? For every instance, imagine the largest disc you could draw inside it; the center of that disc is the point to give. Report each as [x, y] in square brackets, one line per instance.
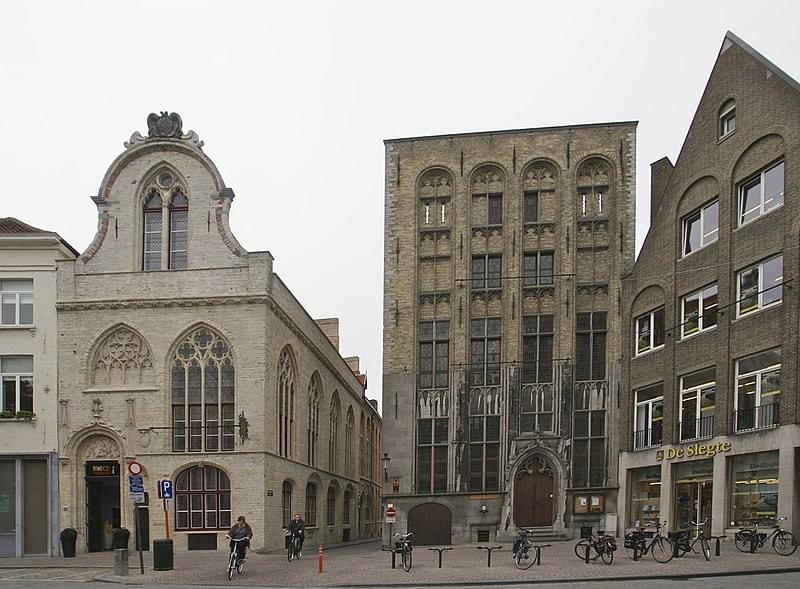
[164, 125]
[99, 448]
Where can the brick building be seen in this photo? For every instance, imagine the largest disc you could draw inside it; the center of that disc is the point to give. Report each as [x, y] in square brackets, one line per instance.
[709, 422]
[180, 350]
[502, 262]
[29, 508]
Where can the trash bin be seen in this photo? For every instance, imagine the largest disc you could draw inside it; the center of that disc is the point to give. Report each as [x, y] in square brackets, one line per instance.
[162, 555]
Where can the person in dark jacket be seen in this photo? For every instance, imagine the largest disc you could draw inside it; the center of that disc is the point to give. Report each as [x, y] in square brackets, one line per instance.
[241, 530]
[297, 527]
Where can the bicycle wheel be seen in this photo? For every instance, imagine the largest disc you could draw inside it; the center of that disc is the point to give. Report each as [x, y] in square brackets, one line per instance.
[523, 559]
[406, 559]
[231, 565]
[580, 549]
[784, 543]
[239, 567]
[662, 549]
[290, 551]
[705, 547]
[606, 552]
[742, 540]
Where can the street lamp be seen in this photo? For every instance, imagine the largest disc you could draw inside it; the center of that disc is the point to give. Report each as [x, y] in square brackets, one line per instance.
[385, 461]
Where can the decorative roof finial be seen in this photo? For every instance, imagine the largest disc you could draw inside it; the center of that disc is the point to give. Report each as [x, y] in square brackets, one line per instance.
[167, 125]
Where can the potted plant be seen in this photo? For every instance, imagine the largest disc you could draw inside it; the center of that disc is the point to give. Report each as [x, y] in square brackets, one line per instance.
[6, 414]
[26, 415]
[119, 537]
[68, 537]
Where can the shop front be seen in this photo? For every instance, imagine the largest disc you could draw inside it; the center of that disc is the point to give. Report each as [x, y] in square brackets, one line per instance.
[693, 493]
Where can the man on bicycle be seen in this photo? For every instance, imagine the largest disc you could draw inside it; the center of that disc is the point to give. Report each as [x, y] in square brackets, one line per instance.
[241, 530]
[297, 527]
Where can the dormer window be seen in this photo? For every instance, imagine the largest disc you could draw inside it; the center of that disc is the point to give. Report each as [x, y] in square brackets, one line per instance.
[165, 225]
[727, 119]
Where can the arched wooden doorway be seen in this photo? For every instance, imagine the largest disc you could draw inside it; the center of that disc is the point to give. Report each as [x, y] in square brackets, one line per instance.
[533, 493]
[431, 524]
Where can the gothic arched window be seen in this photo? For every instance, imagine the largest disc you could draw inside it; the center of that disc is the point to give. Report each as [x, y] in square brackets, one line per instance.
[330, 507]
[152, 231]
[123, 358]
[202, 499]
[165, 222]
[333, 429]
[178, 231]
[286, 374]
[348, 443]
[203, 389]
[286, 502]
[593, 180]
[488, 185]
[314, 393]
[311, 505]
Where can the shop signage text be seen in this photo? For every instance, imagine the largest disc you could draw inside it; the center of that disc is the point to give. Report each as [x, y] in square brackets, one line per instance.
[692, 450]
[102, 469]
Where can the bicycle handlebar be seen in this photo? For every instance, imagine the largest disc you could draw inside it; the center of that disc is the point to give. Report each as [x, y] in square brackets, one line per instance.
[234, 540]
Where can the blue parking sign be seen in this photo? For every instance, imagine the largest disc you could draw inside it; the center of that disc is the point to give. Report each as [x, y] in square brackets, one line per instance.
[165, 489]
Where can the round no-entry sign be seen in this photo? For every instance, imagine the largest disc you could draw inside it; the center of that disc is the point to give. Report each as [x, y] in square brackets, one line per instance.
[135, 468]
[391, 512]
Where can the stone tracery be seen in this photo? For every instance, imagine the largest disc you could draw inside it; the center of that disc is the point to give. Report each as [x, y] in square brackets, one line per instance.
[123, 358]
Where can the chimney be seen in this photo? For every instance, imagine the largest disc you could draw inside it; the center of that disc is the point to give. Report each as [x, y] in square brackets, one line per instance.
[330, 327]
[660, 171]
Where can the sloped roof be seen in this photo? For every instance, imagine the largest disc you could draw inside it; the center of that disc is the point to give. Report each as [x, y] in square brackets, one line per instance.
[731, 38]
[13, 225]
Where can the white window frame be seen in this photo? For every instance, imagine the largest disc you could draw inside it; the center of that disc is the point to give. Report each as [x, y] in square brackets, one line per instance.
[16, 378]
[725, 117]
[701, 295]
[742, 187]
[639, 406]
[760, 304]
[651, 318]
[427, 213]
[701, 214]
[757, 374]
[698, 391]
[17, 297]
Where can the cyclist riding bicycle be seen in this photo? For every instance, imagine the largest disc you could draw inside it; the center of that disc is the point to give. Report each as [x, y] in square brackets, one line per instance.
[240, 530]
[297, 527]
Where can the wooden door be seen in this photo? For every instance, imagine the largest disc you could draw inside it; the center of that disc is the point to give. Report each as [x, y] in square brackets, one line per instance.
[533, 495]
[431, 524]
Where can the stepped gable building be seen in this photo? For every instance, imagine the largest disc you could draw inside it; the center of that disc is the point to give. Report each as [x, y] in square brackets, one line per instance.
[709, 412]
[29, 508]
[502, 262]
[182, 351]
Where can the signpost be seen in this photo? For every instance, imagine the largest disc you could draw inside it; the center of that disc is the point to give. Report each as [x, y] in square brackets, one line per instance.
[136, 493]
[165, 492]
[391, 518]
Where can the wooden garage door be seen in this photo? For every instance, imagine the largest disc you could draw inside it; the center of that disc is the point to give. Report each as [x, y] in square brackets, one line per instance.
[431, 524]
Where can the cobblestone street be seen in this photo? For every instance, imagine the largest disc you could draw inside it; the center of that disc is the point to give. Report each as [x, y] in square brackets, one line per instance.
[367, 565]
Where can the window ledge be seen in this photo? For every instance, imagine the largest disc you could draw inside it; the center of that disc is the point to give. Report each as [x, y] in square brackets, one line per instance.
[761, 216]
[756, 312]
[757, 429]
[31, 328]
[17, 419]
[650, 351]
[725, 136]
[148, 388]
[697, 333]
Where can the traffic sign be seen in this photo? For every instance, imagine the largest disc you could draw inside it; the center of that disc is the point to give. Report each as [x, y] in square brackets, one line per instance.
[137, 497]
[165, 489]
[391, 515]
[135, 468]
[135, 484]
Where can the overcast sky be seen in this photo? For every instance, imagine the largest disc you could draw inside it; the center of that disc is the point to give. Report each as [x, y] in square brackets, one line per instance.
[293, 100]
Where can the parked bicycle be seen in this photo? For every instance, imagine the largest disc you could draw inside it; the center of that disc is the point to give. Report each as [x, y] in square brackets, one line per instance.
[234, 562]
[521, 551]
[683, 542]
[601, 546]
[403, 546]
[660, 547]
[750, 539]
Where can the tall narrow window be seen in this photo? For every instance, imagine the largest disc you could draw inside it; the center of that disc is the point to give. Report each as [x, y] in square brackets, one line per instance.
[648, 417]
[495, 211]
[152, 231]
[530, 207]
[203, 386]
[330, 507]
[537, 374]
[346, 508]
[701, 228]
[16, 297]
[178, 231]
[698, 401]
[538, 269]
[348, 443]
[650, 331]
[333, 434]
[485, 351]
[16, 377]
[758, 389]
[286, 372]
[434, 352]
[286, 503]
[760, 286]
[484, 439]
[590, 346]
[488, 185]
[589, 443]
[432, 424]
[761, 194]
[311, 505]
[314, 394]
[727, 118]
[593, 183]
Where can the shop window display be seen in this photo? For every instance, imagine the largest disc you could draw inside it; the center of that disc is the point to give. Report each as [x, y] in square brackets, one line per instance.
[645, 496]
[754, 486]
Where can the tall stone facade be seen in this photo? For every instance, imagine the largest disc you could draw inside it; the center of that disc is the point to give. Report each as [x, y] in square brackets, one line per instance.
[180, 350]
[709, 411]
[29, 508]
[502, 262]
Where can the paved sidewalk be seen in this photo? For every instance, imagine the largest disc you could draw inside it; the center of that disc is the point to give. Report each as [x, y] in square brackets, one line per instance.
[366, 565]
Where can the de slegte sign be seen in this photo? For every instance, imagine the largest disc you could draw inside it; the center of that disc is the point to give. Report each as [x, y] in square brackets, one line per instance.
[693, 450]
